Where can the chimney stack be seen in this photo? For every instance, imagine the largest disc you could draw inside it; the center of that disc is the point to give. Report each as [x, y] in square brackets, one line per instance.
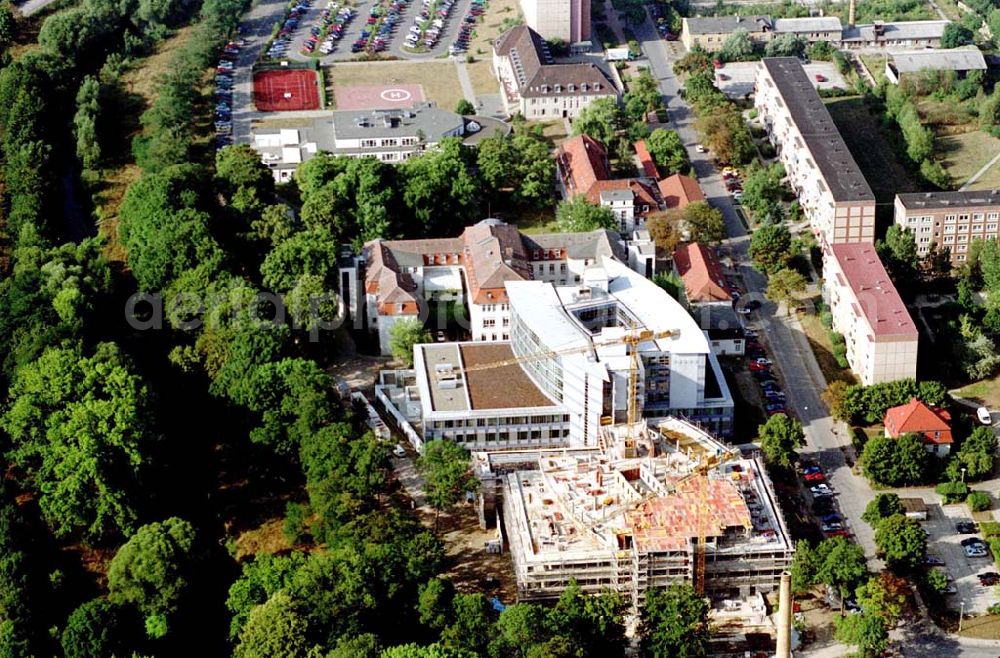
[784, 648]
[850, 14]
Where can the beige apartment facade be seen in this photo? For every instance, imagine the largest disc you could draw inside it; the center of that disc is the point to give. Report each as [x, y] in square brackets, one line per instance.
[949, 220]
[832, 191]
[880, 335]
[710, 32]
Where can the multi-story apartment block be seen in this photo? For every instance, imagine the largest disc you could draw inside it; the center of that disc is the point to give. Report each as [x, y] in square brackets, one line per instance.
[400, 277]
[880, 335]
[568, 20]
[832, 191]
[949, 220]
[530, 84]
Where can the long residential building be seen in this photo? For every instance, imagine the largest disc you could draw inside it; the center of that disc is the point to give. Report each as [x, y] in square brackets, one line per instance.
[389, 135]
[831, 189]
[710, 32]
[403, 279]
[949, 220]
[880, 335]
[535, 87]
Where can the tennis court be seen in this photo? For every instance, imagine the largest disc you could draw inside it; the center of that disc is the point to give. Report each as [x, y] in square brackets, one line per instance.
[284, 91]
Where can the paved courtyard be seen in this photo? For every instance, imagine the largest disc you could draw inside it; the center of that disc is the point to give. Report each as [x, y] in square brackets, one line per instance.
[944, 542]
[736, 78]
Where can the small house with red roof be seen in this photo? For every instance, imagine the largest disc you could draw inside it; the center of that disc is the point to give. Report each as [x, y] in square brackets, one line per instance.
[700, 269]
[678, 191]
[930, 423]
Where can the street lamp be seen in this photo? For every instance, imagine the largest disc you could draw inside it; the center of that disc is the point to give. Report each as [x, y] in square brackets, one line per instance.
[963, 475]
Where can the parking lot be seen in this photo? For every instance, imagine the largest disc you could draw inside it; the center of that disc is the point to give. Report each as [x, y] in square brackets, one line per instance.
[736, 78]
[944, 542]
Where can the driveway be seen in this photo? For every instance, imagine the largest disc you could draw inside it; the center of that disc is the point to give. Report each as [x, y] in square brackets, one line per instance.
[256, 29]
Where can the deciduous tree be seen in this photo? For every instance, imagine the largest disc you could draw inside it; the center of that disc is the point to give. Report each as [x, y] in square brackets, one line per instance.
[903, 542]
[783, 285]
[577, 215]
[779, 437]
[403, 335]
[446, 469]
[674, 623]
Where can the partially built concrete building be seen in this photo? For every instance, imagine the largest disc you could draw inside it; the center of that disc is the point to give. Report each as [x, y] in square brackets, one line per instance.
[636, 512]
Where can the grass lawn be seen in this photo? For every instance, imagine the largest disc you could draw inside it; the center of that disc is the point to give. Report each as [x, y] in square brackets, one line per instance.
[481, 46]
[963, 155]
[875, 65]
[536, 221]
[140, 84]
[985, 392]
[985, 627]
[873, 153]
[819, 340]
[438, 78]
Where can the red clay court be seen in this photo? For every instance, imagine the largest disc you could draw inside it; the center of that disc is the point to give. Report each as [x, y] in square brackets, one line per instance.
[284, 91]
[377, 97]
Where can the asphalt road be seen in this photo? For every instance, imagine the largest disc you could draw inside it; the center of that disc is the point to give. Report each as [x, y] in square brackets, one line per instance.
[827, 441]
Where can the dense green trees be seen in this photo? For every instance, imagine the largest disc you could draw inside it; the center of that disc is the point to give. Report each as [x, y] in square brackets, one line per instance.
[100, 629]
[668, 152]
[762, 188]
[674, 623]
[152, 571]
[770, 247]
[447, 472]
[898, 251]
[786, 45]
[865, 631]
[783, 286]
[859, 404]
[274, 629]
[519, 165]
[579, 215]
[704, 223]
[882, 506]
[976, 456]
[903, 542]
[779, 438]
[738, 47]
[403, 335]
[895, 462]
[81, 428]
[955, 35]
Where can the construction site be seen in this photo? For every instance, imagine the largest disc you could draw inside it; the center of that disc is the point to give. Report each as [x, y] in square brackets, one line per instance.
[651, 506]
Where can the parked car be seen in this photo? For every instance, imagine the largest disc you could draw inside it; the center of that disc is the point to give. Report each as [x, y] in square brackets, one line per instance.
[820, 78]
[814, 477]
[399, 450]
[757, 366]
[812, 468]
[989, 578]
[934, 561]
[699, 148]
[966, 528]
[971, 541]
[983, 414]
[976, 551]
[821, 489]
[831, 527]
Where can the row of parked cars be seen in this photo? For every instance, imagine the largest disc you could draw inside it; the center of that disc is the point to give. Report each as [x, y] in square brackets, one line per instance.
[428, 26]
[224, 94]
[328, 28]
[279, 47]
[461, 42]
[731, 177]
[380, 25]
[662, 24]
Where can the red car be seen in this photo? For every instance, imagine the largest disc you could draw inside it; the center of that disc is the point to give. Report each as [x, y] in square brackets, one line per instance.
[819, 78]
[838, 533]
[757, 366]
[813, 477]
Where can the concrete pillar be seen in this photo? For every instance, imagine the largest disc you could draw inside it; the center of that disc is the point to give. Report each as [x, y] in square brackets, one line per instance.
[784, 621]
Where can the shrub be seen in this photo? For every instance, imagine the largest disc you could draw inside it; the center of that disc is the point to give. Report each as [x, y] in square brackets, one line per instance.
[978, 501]
[826, 318]
[994, 543]
[990, 528]
[953, 492]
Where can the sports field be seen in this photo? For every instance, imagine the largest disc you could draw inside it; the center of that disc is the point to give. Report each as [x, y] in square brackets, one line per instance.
[285, 91]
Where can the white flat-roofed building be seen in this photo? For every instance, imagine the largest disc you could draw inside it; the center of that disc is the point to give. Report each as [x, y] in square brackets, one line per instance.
[831, 189]
[880, 335]
[678, 376]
